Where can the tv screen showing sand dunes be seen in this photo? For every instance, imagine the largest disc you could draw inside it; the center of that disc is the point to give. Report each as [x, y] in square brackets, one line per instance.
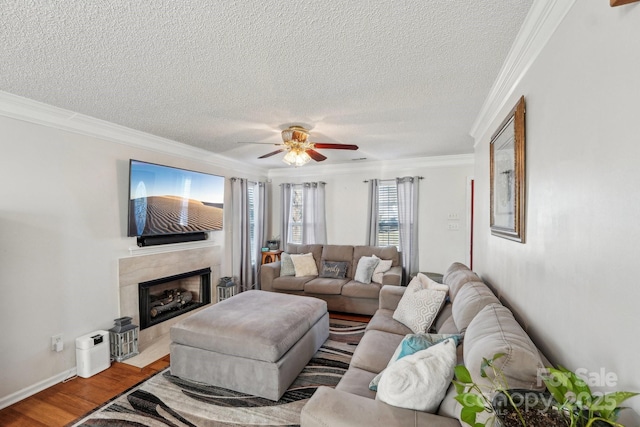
[167, 200]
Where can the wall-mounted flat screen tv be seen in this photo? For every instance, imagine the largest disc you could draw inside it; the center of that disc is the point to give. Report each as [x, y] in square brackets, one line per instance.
[164, 200]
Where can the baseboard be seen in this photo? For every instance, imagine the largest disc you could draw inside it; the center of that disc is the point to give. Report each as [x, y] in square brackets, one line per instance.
[36, 388]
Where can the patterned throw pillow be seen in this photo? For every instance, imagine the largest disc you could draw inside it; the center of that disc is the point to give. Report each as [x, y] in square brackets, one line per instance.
[366, 267]
[417, 310]
[334, 269]
[286, 265]
[305, 265]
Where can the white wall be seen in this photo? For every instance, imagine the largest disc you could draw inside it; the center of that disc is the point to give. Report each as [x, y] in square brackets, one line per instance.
[573, 282]
[442, 191]
[63, 204]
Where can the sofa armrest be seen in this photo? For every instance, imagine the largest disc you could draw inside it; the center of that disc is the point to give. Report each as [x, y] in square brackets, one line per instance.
[393, 276]
[268, 272]
[390, 296]
[329, 407]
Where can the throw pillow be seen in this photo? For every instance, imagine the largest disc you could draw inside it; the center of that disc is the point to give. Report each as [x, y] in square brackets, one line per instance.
[305, 265]
[365, 269]
[383, 266]
[411, 344]
[417, 310]
[419, 381]
[334, 269]
[286, 265]
[422, 281]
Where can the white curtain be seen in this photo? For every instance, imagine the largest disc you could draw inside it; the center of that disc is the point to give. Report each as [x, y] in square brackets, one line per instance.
[314, 223]
[246, 254]
[408, 223]
[313, 226]
[285, 213]
[372, 215]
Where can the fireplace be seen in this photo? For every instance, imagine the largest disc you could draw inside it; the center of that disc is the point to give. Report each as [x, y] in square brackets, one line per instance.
[162, 299]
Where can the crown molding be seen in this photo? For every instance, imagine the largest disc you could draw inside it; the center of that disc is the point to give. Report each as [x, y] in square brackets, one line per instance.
[374, 166]
[28, 110]
[542, 21]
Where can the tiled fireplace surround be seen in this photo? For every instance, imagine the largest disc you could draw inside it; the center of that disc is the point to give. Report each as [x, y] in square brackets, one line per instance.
[141, 268]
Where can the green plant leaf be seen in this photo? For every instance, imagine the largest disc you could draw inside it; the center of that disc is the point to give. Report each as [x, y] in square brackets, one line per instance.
[468, 415]
[471, 401]
[462, 374]
[460, 388]
[606, 405]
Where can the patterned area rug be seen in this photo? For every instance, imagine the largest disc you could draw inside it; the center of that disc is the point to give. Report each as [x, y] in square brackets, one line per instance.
[165, 400]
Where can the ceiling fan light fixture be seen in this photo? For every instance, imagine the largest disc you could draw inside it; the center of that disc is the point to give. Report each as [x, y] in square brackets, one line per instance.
[296, 158]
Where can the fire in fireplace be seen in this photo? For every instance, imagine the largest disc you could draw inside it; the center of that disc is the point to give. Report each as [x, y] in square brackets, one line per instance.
[167, 297]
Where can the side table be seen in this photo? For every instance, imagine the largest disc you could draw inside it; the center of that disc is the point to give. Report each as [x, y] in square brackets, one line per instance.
[271, 256]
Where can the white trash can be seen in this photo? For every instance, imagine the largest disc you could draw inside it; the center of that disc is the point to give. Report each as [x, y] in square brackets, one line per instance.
[92, 353]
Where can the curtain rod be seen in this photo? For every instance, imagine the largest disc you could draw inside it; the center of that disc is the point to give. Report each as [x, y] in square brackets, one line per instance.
[367, 180]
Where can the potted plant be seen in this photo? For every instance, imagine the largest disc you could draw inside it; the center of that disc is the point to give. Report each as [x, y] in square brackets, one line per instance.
[568, 402]
[582, 407]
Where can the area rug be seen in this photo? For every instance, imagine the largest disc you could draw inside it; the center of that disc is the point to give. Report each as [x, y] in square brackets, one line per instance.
[165, 400]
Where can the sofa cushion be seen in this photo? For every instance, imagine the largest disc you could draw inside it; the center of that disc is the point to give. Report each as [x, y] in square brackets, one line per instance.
[495, 330]
[456, 276]
[315, 250]
[324, 286]
[339, 253]
[334, 269]
[286, 265]
[417, 310]
[356, 381]
[305, 265]
[290, 283]
[382, 252]
[375, 350]
[419, 381]
[365, 268]
[472, 298]
[383, 321]
[410, 344]
[361, 290]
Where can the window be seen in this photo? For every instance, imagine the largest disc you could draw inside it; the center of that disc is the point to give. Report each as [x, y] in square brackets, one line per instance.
[252, 224]
[388, 230]
[295, 221]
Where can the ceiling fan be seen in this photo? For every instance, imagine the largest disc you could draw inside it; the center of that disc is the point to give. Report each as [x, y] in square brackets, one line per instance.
[295, 141]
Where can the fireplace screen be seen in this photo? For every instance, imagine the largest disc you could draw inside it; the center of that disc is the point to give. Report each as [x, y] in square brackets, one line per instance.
[162, 299]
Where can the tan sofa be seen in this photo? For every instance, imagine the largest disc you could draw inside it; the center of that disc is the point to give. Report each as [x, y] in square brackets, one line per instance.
[488, 328]
[342, 295]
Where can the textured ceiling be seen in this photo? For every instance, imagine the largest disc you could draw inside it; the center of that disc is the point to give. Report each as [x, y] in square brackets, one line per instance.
[401, 79]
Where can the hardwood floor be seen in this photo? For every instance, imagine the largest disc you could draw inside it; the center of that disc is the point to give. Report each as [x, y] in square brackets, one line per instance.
[65, 402]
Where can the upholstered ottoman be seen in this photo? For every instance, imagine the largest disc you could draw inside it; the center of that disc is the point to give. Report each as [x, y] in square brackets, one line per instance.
[256, 342]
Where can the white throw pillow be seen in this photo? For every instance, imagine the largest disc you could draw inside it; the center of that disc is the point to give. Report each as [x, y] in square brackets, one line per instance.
[419, 381]
[365, 269]
[422, 281]
[383, 266]
[304, 264]
[417, 310]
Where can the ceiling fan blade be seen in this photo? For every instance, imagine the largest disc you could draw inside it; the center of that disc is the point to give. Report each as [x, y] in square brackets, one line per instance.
[315, 155]
[335, 146]
[273, 153]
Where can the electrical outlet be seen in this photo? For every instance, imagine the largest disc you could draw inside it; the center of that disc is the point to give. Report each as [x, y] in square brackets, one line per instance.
[453, 216]
[56, 343]
[453, 226]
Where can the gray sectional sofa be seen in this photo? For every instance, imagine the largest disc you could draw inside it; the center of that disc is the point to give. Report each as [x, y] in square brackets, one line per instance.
[473, 310]
[341, 294]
